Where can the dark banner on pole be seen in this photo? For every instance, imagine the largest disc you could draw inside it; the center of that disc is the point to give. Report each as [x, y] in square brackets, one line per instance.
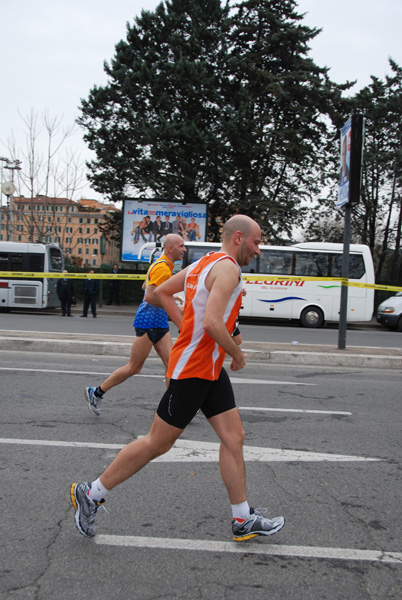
[350, 161]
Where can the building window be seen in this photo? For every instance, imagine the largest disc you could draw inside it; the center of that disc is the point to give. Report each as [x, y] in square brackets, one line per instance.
[48, 239]
[49, 219]
[95, 230]
[86, 250]
[95, 252]
[81, 220]
[79, 250]
[19, 238]
[94, 241]
[87, 241]
[80, 240]
[88, 230]
[69, 230]
[57, 240]
[80, 230]
[68, 240]
[88, 220]
[94, 261]
[68, 250]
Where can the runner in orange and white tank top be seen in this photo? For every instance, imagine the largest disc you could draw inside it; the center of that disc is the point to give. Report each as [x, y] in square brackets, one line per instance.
[195, 352]
[198, 382]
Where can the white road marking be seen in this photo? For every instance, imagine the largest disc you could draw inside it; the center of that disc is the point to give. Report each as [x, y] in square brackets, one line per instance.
[379, 556]
[232, 379]
[104, 374]
[297, 410]
[266, 381]
[195, 451]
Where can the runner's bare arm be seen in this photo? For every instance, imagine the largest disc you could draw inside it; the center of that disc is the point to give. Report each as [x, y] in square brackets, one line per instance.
[164, 294]
[221, 281]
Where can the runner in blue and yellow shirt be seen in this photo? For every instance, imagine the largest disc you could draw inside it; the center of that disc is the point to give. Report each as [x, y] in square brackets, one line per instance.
[150, 323]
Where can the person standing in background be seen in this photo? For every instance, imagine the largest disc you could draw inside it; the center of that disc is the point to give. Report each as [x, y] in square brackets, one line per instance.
[90, 291]
[65, 293]
[114, 288]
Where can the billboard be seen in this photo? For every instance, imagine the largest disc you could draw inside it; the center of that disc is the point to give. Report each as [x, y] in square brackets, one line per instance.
[344, 167]
[151, 220]
[352, 136]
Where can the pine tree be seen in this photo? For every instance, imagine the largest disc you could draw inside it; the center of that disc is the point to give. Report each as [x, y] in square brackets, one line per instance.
[205, 104]
[281, 107]
[155, 126]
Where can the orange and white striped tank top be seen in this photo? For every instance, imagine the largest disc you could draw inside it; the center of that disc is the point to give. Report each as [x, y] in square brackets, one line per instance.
[195, 353]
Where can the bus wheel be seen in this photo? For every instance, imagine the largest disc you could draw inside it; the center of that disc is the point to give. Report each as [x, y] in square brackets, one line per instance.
[312, 317]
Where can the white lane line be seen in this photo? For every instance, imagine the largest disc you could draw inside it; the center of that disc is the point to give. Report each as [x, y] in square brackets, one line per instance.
[71, 372]
[298, 410]
[266, 381]
[246, 548]
[194, 451]
[232, 379]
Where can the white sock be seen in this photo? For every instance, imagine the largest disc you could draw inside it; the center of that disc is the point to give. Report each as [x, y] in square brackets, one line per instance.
[97, 491]
[241, 511]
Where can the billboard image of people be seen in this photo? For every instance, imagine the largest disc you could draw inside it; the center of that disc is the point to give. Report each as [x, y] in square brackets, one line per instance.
[344, 167]
[151, 220]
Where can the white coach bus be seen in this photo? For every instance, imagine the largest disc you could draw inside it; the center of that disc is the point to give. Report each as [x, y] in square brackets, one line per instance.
[312, 302]
[20, 292]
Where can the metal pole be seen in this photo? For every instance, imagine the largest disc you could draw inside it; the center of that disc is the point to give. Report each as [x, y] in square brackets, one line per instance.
[9, 218]
[345, 274]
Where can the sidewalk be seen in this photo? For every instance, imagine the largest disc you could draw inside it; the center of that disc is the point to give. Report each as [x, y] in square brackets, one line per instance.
[273, 353]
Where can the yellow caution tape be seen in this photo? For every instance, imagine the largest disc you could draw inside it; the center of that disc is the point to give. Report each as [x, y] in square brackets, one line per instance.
[246, 277]
[342, 280]
[373, 286]
[26, 275]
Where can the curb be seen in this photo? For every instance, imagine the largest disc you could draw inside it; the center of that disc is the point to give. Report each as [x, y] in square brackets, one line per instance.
[354, 357]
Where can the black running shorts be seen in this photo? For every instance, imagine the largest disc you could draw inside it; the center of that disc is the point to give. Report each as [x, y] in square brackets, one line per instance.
[184, 397]
[155, 334]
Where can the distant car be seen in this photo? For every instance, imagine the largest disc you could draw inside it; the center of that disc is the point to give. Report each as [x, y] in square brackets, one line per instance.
[389, 312]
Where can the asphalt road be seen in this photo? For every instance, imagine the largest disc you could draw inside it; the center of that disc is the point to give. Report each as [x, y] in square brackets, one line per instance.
[322, 447]
[110, 322]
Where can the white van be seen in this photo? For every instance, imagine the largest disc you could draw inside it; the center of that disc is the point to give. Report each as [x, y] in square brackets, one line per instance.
[389, 312]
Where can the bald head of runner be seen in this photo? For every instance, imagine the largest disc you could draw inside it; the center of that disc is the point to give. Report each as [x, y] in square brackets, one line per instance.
[173, 247]
[241, 237]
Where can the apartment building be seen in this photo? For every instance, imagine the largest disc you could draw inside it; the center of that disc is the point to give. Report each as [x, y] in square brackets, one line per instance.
[73, 225]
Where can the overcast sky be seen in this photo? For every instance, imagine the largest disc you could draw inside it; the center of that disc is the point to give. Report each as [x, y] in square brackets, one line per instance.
[52, 52]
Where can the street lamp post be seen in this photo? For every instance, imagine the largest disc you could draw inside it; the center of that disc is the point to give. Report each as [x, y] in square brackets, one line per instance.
[13, 165]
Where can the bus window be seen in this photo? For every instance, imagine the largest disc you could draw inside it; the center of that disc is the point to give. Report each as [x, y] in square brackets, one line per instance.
[311, 264]
[56, 259]
[16, 262]
[4, 262]
[251, 267]
[35, 262]
[196, 252]
[356, 266]
[276, 262]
